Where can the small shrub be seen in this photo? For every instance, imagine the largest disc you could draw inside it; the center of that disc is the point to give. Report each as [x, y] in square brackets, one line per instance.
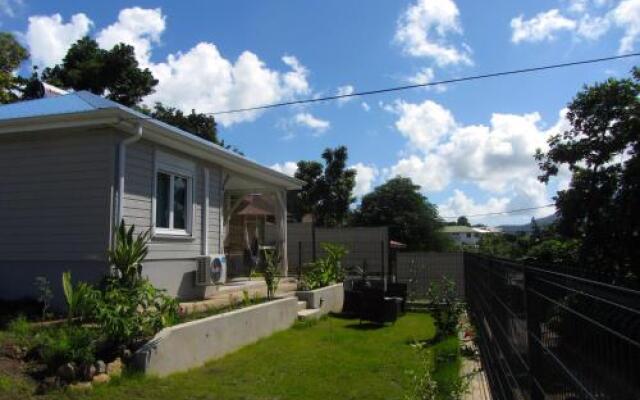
[423, 385]
[128, 253]
[45, 294]
[271, 272]
[81, 298]
[446, 308]
[20, 330]
[246, 300]
[67, 343]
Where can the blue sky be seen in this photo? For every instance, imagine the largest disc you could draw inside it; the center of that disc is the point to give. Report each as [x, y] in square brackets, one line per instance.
[469, 145]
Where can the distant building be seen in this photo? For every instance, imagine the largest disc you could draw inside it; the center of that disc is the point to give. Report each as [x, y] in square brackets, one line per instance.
[466, 235]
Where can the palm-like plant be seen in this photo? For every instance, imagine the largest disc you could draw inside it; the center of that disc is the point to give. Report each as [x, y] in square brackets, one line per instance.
[271, 271]
[128, 253]
[81, 298]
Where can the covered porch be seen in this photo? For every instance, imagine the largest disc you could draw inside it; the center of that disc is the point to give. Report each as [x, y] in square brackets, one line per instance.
[254, 221]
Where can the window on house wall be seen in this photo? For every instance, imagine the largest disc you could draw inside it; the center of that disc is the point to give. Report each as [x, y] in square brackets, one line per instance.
[173, 196]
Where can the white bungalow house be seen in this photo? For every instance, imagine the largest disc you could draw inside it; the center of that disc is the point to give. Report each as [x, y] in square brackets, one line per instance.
[466, 235]
[73, 166]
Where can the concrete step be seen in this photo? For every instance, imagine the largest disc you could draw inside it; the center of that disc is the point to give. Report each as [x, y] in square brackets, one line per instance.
[302, 305]
[309, 314]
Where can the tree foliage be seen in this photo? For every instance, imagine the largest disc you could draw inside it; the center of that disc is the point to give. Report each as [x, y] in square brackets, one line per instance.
[114, 72]
[12, 54]
[463, 221]
[327, 193]
[601, 149]
[411, 218]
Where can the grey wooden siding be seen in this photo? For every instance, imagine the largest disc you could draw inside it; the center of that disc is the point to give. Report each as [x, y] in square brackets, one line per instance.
[55, 195]
[137, 207]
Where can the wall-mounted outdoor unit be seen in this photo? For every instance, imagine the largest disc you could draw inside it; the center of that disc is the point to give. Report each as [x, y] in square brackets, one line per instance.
[211, 270]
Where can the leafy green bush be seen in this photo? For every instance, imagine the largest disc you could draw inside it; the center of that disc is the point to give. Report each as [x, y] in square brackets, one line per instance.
[67, 343]
[446, 308]
[130, 313]
[325, 271]
[128, 253]
[20, 330]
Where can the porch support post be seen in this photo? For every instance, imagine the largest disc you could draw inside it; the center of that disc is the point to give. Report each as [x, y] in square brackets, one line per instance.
[281, 200]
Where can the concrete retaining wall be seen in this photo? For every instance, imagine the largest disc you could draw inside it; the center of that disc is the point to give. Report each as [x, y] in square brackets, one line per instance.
[332, 298]
[190, 345]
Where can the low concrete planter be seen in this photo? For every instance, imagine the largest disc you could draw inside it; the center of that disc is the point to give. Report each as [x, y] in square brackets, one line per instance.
[189, 345]
[327, 299]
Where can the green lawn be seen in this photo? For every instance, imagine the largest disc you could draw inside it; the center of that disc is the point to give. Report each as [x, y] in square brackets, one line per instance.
[334, 358]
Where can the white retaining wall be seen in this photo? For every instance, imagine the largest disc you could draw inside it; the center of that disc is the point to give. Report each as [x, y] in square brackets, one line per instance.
[189, 345]
[327, 299]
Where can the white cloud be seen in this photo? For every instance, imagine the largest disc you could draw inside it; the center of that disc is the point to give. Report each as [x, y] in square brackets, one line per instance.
[425, 75]
[366, 106]
[345, 90]
[200, 78]
[460, 204]
[309, 121]
[365, 178]
[138, 27]
[287, 167]
[49, 37]
[423, 124]
[542, 27]
[423, 29]
[10, 7]
[627, 16]
[497, 157]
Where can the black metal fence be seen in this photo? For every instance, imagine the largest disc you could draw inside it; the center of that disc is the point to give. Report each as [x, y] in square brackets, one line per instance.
[543, 334]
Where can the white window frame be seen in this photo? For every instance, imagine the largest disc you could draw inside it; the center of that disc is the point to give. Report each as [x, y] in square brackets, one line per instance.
[174, 167]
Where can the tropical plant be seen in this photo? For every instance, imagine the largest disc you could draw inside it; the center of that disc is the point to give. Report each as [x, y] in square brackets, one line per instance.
[271, 272]
[128, 253]
[45, 294]
[446, 307]
[81, 298]
[326, 270]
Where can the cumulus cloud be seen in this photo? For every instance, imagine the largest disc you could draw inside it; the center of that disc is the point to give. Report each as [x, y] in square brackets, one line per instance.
[584, 19]
[425, 75]
[365, 178]
[627, 16]
[461, 204]
[543, 26]
[199, 78]
[496, 157]
[423, 31]
[287, 167]
[49, 37]
[345, 90]
[307, 120]
[136, 26]
[366, 106]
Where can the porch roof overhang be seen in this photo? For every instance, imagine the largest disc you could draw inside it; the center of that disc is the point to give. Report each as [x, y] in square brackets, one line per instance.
[97, 111]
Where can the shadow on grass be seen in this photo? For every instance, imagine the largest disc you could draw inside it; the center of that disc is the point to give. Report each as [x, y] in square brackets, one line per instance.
[365, 326]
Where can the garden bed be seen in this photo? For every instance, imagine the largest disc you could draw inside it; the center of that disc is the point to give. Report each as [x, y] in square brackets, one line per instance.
[191, 344]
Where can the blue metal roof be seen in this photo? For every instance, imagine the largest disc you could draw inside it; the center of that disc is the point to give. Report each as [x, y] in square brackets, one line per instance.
[76, 102]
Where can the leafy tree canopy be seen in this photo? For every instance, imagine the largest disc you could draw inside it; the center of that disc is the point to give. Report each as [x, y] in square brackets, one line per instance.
[327, 193]
[114, 72]
[411, 218]
[602, 151]
[12, 54]
[463, 221]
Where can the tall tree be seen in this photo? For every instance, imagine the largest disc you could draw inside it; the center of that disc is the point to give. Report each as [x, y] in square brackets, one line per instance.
[12, 54]
[602, 151]
[328, 191]
[463, 221]
[411, 218]
[114, 72]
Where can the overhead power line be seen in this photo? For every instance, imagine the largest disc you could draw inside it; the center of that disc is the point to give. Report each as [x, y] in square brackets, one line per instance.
[422, 85]
[505, 212]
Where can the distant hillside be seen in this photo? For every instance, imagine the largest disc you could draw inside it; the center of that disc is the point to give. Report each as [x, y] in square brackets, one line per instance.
[526, 228]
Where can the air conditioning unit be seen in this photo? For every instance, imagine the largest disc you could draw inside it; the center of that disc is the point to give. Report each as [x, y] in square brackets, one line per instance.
[211, 270]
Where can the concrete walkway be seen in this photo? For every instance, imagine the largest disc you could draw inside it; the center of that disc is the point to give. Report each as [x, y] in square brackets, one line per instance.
[233, 293]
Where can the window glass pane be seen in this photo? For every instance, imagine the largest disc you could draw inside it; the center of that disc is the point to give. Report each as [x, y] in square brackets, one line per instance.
[179, 202]
[162, 200]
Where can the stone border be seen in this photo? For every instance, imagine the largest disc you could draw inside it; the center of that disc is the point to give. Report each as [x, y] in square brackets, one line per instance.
[189, 345]
[332, 298]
